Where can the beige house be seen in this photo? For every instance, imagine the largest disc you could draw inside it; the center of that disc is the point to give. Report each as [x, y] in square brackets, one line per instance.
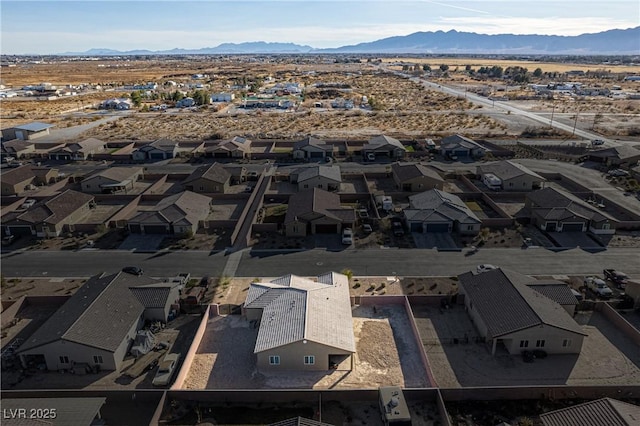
[99, 323]
[236, 147]
[15, 181]
[323, 177]
[208, 180]
[385, 146]
[304, 324]
[18, 148]
[316, 211]
[438, 211]
[177, 214]
[49, 218]
[511, 315]
[512, 176]
[414, 177]
[27, 131]
[79, 150]
[112, 180]
[311, 148]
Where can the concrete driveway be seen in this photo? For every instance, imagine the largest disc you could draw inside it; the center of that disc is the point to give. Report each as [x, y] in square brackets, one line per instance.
[573, 239]
[142, 242]
[439, 240]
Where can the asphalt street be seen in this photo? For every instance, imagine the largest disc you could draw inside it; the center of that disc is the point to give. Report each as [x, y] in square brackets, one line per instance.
[379, 262]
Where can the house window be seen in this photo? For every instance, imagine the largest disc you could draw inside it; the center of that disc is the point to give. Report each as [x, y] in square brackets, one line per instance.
[606, 226]
[274, 360]
[524, 343]
[98, 359]
[306, 186]
[64, 359]
[539, 343]
[566, 343]
[510, 183]
[469, 227]
[202, 188]
[309, 360]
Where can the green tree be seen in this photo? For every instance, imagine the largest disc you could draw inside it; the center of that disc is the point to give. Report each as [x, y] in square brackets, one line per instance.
[136, 98]
[537, 72]
[426, 68]
[444, 67]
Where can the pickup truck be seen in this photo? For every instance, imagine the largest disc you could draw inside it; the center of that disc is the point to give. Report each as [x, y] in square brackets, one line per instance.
[599, 287]
[617, 277]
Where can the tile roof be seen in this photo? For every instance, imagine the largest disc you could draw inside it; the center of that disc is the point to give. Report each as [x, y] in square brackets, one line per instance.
[215, 173]
[36, 126]
[329, 172]
[89, 144]
[152, 296]
[439, 205]
[621, 152]
[455, 141]
[296, 309]
[18, 145]
[56, 209]
[506, 170]
[408, 171]
[315, 200]
[18, 175]
[507, 304]
[68, 411]
[380, 141]
[557, 291]
[555, 204]
[601, 412]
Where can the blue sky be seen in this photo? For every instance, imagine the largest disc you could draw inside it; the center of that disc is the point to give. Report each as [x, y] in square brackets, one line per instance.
[58, 26]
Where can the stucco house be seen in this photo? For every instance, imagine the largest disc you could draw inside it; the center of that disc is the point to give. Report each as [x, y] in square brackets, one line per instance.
[208, 179]
[18, 149]
[323, 177]
[601, 412]
[78, 151]
[616, 156]
[316, 211]
[112, 180]
[384, 146]
[304, 324]
[177, 214]
[414, 177]
[98, 324]
[512, 176]
[161, 149]
[554, 210]
[236, 147]
[458, 146]
[439, 211]
[511, 315]
[51, 217]
[16, 181]
[311, 148]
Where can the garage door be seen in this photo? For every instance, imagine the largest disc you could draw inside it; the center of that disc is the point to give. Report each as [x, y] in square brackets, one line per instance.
[20, 230]
[572, 227]
[326, 229]
[156, 156]
[416, 227]
[437, 227]
[316, 154]
[155, 229]
[135, 229]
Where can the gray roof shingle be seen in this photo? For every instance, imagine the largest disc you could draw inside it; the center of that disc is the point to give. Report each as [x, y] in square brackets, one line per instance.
[215, 173]
[506, 170]
[555, 204]
[439, 205]
[382, 141]
[408, 171]
[557, 291]
[314, 142]
[506, 304]
[317, 200]
[185, 208]
[329, 172]
[56, 209]
[601, 412]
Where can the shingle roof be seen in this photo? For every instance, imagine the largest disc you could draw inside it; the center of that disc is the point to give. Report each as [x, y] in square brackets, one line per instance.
[506, 304]
[85, 145]
[552, 203]
[184, 208]
[36, 126]
[439, 205]
[296, 308]
[118, 174]
[380, 141]
[68, 411]
[152, 296]
[215, 173]
[557, 291]
[56, 209]
[408, 171]
[620, 152]
[316, 200]
[601, 412]
[455, 141]
[506, 170]
[329, 172]
[99, 314]
[18, 175]
[311, 141]
[236, 143]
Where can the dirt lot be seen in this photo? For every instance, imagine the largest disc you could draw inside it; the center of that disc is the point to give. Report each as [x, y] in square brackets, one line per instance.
[607, 356]
[385, 355]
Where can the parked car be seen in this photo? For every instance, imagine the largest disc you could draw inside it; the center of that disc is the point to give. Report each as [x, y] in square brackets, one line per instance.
[577, 295]
[367, 228]
[619, 278]
[347, 236]
[133, 270]
[485, 267]
[9, 239]
[165, 370]
[618, 172]
[396, 226]
[597, 142]
[599, 287]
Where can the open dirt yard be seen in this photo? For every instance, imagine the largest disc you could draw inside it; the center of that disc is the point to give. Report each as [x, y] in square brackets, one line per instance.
[607, 356]
[386, 354]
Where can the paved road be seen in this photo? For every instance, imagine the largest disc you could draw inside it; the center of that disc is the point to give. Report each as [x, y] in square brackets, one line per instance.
[406, 262]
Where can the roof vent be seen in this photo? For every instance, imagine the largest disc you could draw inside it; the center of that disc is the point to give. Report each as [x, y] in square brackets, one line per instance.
[394, 401]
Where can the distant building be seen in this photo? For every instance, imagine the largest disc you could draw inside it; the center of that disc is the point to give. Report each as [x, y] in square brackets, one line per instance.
[27, 132]
[222, 97]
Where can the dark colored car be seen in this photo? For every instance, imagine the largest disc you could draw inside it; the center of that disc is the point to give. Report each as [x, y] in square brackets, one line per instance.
[9, 239]
[133, 270]
[528, 356]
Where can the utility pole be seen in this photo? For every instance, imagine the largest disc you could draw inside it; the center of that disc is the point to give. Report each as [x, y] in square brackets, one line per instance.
[575, 122]
[553, 109]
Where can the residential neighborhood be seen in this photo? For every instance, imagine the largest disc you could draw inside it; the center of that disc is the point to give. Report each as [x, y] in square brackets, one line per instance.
[389, 262]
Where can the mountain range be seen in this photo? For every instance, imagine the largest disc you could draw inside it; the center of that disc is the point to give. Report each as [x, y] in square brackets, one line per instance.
[609, 42]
